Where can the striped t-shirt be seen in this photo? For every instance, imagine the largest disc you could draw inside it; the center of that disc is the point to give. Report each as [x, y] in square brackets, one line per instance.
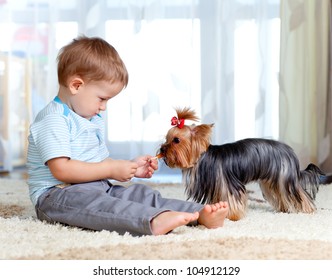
[59, 132]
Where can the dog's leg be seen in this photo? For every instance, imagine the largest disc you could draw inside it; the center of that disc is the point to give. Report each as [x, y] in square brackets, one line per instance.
[272, 195]
[307, 204]
[286, 197]
[207, 184]
[237, 204]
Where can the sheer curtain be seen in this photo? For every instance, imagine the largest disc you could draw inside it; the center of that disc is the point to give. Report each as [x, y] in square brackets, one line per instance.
[305, 80]
[220, 57]
[240, 65]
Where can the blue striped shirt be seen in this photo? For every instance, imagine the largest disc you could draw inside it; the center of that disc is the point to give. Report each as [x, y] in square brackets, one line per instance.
[59, 132]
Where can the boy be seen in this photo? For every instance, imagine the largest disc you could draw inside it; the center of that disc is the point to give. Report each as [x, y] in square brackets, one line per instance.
[68, 161]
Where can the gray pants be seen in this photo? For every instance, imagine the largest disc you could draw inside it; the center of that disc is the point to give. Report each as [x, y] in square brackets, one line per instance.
[100, 205]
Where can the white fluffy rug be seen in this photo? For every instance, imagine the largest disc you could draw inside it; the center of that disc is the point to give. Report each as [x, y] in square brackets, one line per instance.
[262, 234]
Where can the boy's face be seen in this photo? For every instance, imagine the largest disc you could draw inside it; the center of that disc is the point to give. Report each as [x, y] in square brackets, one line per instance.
[88, 99]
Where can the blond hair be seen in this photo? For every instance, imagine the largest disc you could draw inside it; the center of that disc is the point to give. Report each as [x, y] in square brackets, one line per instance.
[92, 59]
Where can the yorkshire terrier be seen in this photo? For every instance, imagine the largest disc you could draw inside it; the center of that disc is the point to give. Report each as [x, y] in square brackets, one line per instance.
[213, 173]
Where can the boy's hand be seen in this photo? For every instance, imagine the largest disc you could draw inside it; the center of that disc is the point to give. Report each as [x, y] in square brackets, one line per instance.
[122, 170]
[146, 166]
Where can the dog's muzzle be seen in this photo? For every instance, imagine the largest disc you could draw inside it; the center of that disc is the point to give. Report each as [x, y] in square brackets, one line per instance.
[163, 151]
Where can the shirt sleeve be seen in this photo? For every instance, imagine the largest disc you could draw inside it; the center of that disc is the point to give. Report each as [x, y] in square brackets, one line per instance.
[51, 137]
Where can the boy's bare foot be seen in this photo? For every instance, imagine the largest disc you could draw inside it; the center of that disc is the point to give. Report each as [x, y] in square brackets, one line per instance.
[167, 221]
[213, 215]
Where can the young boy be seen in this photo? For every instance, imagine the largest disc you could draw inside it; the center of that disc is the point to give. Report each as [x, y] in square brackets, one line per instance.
[68, 161]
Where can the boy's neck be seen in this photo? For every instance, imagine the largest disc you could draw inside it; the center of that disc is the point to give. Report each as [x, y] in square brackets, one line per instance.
[64, 94]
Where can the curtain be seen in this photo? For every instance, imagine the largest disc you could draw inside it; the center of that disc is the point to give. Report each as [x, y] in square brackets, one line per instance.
[240, 65]
[220, 57]
[305, 89]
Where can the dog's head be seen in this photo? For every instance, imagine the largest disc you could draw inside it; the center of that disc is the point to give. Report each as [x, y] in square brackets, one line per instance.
[184, 144]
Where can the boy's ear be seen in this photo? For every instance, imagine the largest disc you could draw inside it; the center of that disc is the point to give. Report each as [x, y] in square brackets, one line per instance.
[74, 84]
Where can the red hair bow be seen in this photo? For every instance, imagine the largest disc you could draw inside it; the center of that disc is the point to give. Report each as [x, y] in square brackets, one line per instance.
[177, 122]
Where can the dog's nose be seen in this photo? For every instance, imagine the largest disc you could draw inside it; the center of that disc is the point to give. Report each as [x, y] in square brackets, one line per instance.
[162, 149]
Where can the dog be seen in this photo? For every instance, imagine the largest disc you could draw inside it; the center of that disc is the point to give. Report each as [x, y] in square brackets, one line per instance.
[213, 173]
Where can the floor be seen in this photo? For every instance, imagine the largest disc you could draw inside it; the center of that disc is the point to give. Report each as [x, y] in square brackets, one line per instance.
[16, 173]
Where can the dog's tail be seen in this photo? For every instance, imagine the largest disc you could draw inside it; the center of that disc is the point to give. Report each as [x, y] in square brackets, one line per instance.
[312, 177]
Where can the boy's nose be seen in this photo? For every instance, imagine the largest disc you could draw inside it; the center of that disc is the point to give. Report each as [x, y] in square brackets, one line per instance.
[102, 107]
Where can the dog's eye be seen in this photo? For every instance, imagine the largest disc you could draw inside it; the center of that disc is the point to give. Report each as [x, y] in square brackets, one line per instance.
[176, 140]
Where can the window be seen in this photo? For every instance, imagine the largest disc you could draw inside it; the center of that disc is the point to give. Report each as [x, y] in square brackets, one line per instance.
[163, 61]
[254, 86]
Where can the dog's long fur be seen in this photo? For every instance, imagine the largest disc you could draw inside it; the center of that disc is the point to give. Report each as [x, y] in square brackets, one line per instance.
[215, 173]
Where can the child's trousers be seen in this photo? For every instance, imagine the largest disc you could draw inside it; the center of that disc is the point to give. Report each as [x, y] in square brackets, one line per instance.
[100, 205]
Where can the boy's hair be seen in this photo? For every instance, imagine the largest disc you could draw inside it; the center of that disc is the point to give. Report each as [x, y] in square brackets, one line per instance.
[92, 59]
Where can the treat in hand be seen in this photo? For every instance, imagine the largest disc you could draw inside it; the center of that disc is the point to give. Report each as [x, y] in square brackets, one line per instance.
[157, 156]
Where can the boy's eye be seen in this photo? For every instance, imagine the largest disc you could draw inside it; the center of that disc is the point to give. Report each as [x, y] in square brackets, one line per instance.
[176, 140]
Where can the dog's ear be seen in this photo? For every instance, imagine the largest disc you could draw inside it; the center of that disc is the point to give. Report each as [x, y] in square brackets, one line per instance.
[203, 131]
[201, 137]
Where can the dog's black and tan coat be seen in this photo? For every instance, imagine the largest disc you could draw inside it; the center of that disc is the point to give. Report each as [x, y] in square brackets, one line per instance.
[215, 173]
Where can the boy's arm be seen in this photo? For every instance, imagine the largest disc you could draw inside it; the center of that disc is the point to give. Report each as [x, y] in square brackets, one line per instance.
[74, 171]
